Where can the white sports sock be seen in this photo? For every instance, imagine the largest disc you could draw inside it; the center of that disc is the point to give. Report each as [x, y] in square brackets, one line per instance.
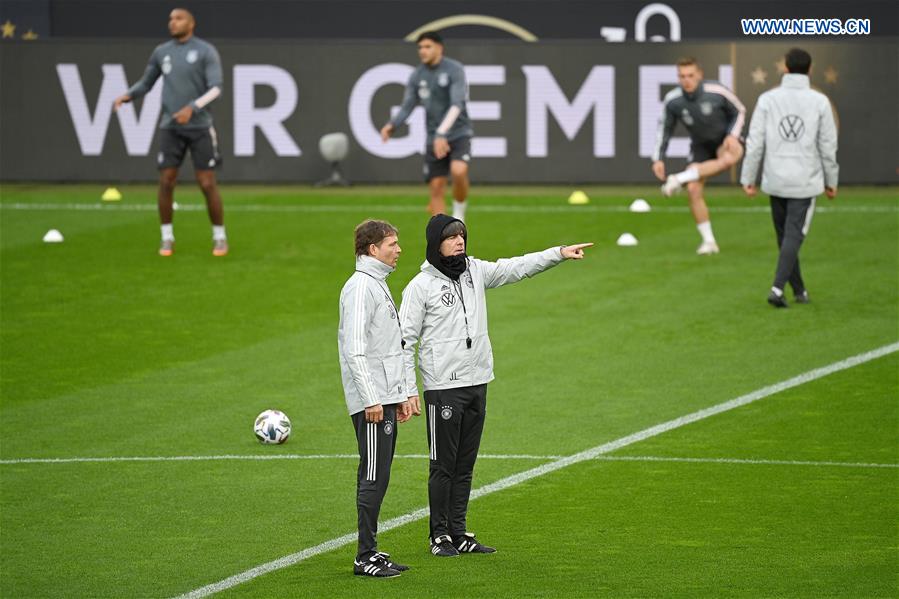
[705, 229]
[778, 292]
[218, 233]
[168, 232]
[459, 210]
[691, 174]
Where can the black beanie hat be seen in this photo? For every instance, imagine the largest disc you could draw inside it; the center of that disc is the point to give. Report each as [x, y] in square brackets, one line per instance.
[435, 233]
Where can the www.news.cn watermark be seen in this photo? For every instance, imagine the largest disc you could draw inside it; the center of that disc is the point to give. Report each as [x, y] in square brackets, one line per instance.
[806, 26]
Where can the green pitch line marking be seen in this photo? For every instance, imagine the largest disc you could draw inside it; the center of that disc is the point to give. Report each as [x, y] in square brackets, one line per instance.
[532, 473]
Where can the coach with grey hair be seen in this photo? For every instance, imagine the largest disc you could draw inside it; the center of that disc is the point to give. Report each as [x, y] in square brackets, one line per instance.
[370, 350]
[444, 311]
[793, 130]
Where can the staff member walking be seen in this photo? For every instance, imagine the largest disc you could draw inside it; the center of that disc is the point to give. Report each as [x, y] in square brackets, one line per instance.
[444, 311]
[793, 129]
[371, 366]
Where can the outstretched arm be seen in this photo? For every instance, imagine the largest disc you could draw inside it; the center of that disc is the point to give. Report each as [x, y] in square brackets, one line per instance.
[511, 270]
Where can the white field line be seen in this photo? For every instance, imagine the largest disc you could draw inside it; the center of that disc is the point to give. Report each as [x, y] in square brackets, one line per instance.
[327, 208]
[416, 456]
[649, 458]
[516, 479]
[284, 456]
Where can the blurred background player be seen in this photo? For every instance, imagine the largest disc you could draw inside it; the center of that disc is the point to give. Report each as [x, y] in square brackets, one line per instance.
[192, 78]
[439, 85]
[793, 129]
[714, 117]
[370, 349]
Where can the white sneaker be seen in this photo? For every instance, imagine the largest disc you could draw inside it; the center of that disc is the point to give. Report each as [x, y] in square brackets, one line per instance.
[707, 248]
[671, 186]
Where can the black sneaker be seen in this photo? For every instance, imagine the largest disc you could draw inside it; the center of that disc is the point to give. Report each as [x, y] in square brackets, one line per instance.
[468, 544]
[442, 546]
[778, 301]
[375, 566]
[392, 565]
[801, 298]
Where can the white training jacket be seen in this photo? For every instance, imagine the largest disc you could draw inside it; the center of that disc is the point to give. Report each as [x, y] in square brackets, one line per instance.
[369, 343]
[440, 315]
[793, 129]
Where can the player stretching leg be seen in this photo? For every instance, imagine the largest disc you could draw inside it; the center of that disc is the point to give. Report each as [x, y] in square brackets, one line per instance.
[714, 117]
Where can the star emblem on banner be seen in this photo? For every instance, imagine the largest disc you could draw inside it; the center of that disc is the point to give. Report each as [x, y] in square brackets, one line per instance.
[9, 30]
[759, 76]
[29, 35]
[830, 75]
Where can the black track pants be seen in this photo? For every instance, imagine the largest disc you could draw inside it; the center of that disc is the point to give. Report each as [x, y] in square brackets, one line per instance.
[455, 422]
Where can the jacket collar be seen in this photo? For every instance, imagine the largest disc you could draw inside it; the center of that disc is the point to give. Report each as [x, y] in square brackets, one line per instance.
[695, 93]
[373, 266]
[795, 81]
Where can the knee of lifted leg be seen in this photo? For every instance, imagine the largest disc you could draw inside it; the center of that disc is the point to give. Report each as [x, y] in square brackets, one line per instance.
[458, 169]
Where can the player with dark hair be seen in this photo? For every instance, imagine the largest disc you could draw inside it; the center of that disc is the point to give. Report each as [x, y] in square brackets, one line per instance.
[192, 79]
[370, 348]
[714, 117]
[444, 312]
[439, 85]
[794, 133]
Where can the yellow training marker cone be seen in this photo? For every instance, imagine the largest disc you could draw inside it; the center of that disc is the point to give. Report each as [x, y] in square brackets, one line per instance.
[578, 197]
[111, 195]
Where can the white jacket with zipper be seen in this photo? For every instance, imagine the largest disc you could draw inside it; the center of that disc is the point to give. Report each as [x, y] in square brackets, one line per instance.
[793, 129]
[441, 315]
[369, 343]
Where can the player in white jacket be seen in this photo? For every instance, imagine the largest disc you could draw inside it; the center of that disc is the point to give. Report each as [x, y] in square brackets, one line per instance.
[793, 131]
[370, 348]
[444, 312]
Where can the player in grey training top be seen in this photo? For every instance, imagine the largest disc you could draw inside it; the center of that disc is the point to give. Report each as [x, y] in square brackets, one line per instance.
[714, 117]
[439, 85]
[192, 78]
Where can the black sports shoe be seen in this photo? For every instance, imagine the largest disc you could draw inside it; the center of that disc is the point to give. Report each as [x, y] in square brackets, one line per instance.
[390, 564]
[801, 298]
[375, 566]
[442, 546]
[778, 301]
[468, 544]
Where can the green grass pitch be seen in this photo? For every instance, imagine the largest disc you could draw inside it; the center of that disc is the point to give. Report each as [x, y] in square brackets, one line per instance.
[108, 350]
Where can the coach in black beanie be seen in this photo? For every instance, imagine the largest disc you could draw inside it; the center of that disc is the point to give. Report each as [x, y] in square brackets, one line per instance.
[439, 228]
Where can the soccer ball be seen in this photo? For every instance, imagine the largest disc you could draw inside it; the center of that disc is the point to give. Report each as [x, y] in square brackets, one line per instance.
[272, 427]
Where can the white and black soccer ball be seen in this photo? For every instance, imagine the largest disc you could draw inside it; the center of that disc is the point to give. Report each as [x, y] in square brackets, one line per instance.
[272, 427]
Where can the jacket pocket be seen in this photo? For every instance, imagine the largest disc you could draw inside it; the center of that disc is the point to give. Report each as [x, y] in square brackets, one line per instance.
[394, 376]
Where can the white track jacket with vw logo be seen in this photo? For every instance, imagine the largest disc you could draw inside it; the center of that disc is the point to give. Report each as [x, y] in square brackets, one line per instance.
[793, 129]
[368, 339]
[434, 314]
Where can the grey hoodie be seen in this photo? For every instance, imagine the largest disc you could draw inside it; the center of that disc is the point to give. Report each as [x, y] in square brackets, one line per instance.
[368, 339]
[440, 315]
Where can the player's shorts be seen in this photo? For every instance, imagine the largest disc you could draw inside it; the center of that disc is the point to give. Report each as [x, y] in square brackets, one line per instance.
[700, 152]
[174, 143]
[460, 149]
